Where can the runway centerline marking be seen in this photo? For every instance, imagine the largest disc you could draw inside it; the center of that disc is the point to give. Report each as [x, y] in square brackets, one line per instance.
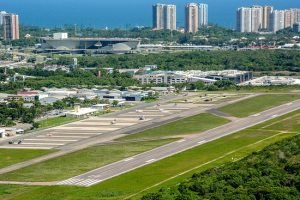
[150, 161]
[201, 142]
[128, 159]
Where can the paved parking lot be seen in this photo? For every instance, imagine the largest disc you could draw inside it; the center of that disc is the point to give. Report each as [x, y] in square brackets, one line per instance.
[95, 126]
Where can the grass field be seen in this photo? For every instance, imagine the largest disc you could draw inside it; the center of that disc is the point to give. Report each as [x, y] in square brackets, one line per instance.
[171, 170]
[190, 125]
[79, 162]
[56, 121]
[12, 156]
[258, 104]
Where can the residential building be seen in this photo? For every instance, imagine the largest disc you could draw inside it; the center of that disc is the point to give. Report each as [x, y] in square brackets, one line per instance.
[291, 17]
[203, 15]
[267, 11]
[2, 13]
[244, 20]
[296, 14]
[170, 17]
[288, 18]
[29, 96]
[164, 17]
[192, 18]
[158, 16]
[256, 18]
[12, 98]
[296, 27]
[277, 20]
[10, 26]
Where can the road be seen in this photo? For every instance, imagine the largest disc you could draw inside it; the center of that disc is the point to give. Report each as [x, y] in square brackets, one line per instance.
[129, 164]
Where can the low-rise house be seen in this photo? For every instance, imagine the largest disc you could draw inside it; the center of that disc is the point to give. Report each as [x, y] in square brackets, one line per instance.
[29, 96]
[11, 98]
[48, 100]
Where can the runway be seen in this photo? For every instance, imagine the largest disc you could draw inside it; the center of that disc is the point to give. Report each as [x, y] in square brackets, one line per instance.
[115, 169]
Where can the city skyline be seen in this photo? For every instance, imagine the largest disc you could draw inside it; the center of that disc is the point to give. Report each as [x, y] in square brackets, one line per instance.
[34, 12]
[265, 18]
[256, 18]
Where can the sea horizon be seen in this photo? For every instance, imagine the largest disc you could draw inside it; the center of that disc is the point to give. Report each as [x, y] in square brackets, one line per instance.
[122, 14]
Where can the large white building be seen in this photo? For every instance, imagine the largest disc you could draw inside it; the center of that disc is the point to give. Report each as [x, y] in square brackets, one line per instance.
[164, 17]
[244, 19]
[256, 18]
[175, 77]
[203, 15]
[291, 16]
[170, 17]
[2, 13]
[267, 11]
[265, 18]
[60, 36]
[161, 78]
[277, 20]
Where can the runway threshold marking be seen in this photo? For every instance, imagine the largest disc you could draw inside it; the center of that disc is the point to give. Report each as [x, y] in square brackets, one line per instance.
[24, 147]
[57, 136]
[88, 182]
[50, 140]
[47, 144]
[70, 181]
[180, 141]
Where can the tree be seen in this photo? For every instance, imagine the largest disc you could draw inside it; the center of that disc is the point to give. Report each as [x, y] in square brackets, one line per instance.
[59, 105]
[115, 103]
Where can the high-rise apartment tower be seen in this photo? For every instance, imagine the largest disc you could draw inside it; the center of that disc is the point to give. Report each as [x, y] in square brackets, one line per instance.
[164, 17]
[192, 18]
[10, 26]
[203, 15]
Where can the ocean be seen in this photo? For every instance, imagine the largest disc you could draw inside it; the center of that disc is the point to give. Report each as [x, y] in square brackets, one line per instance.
[121, 13]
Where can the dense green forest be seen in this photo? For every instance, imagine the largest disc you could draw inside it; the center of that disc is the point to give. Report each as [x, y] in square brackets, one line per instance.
[76, 78]
[272, 174]
[261, 60]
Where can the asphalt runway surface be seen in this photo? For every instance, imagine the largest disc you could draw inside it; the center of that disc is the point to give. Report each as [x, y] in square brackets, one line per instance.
[115, 169]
